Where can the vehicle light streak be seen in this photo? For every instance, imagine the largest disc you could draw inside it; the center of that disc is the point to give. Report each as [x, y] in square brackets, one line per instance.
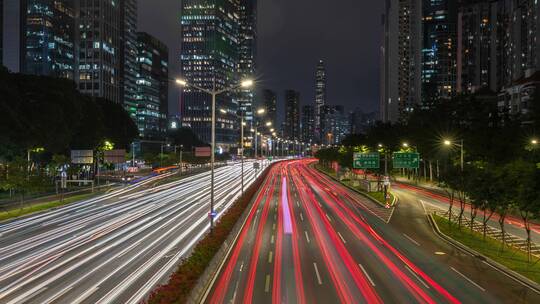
[219, 294]
[248, 295]
[361, 282]
[368, 228]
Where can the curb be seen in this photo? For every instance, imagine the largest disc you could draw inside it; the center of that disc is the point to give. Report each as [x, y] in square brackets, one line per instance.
[394, 201]
[496, 265]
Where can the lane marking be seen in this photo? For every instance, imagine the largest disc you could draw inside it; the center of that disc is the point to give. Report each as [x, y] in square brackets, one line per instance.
[235, 291]
[297, 204]
[466, 278]
[341, 237]
[307, 236]
[367, 275]
[274, 226]
[317, 273]
[328, 217]
[241, 266]
[424, 207]
[416, 276]
[270, 257]
[272, 239]
[301, 217]
[267, 283]
[439, 253]
[411, 239]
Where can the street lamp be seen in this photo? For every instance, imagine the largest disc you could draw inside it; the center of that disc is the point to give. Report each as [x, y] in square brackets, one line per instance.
[244, 84]
[448, 143]
[534, 142]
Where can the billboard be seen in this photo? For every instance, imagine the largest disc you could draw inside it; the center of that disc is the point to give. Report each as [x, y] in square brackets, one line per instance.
[115, 156]
[82, 157]
[203, 151]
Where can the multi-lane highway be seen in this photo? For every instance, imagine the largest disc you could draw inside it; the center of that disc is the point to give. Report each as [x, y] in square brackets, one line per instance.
[114, 248]
[309, 240]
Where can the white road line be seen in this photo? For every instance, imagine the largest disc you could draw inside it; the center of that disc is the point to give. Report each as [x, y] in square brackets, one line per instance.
[466, 278]
[267, 283]
[270, 257]
[301, 217]
[341, 237]
[367, 275]
[411, 239]
[327, 216]
[272, 240]
[274, 226]
[307, 237]
[235, 291]
[241, 266]
[85, 295]
[297, 204]
[423, 206]
[317, 273]
[416, 276]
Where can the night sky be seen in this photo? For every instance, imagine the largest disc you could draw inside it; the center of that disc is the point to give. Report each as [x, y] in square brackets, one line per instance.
[293, 35]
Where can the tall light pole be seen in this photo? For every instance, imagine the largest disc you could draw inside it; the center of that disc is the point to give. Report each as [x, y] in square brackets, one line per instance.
[213, 93]
[242, 123]
[448, 142]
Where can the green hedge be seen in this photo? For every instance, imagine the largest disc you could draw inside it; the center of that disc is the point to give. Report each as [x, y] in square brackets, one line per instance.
[184, 279]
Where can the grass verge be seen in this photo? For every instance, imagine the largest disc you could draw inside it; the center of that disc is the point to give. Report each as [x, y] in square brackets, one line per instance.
[378, 196]
[185, 278]
[512, 258]
[6, 215]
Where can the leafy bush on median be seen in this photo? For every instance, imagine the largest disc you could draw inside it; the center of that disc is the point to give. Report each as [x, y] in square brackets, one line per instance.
[185, 278]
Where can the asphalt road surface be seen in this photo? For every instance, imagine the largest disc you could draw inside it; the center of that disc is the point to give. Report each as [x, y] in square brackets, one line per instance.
[436, 201]
[114, 248]
[308, 239]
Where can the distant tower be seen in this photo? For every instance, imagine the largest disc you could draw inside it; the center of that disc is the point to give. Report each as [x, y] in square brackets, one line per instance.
[292, 115]
[320, 96]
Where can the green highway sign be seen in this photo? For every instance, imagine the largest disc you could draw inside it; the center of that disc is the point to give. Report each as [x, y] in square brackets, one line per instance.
[366, 160]
[406, 160]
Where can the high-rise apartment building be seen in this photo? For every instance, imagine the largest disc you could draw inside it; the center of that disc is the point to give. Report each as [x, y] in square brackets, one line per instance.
[292, 115]
[209, 59]
[335, 124]
[401, 59]
[320, 95]
[247, 39]
[100, 46]
[308, 124]
[152, 87]
[439, 50]
[90, 42]
[270, 106]
[388, 104]
[39, 37]
[128, 60]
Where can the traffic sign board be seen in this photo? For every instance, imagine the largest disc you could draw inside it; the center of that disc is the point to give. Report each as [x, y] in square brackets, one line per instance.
[366, 160]
[406, 160]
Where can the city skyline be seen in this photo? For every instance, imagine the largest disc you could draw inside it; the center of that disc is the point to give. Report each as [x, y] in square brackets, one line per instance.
[279, 47]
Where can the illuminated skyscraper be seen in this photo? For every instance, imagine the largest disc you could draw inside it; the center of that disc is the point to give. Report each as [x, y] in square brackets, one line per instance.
[320, 96]
[270, 106]
[439, 50]
[308, 123]
[39, 37]
[209, 59]
[292, 115]
[128, 51]
[152, 87]
[101, 33]
[247, 37]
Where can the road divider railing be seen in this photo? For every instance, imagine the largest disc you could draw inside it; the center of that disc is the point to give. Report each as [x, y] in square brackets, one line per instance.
[195, 275]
